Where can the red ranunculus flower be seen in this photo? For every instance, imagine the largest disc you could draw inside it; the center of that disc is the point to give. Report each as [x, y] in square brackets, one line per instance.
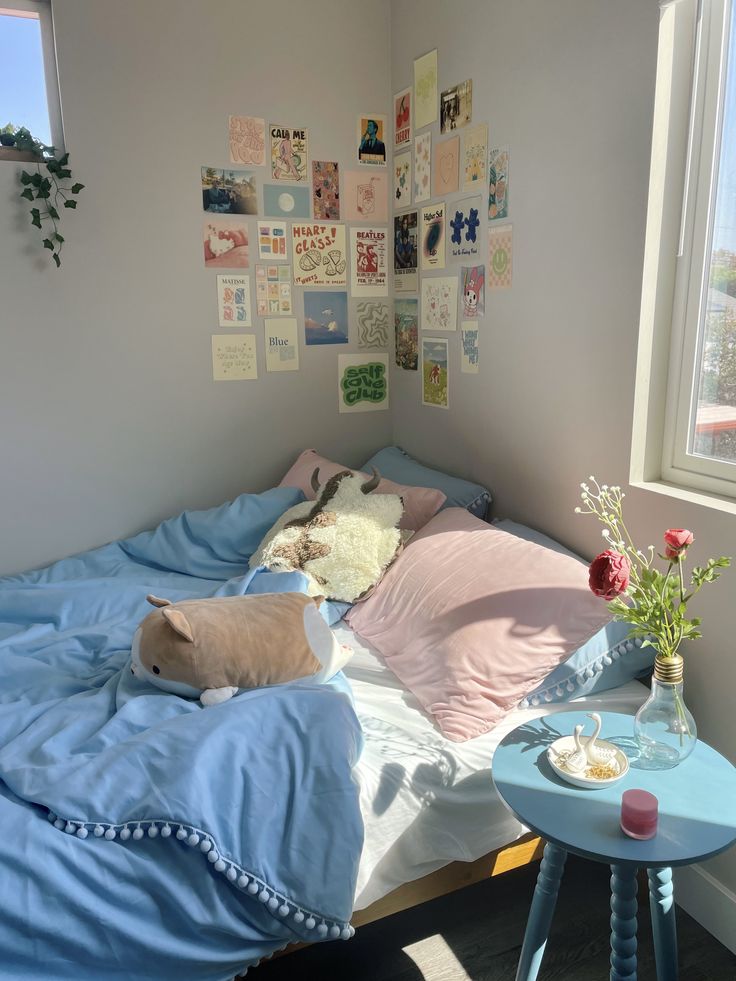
[609, 574]
[676, 540]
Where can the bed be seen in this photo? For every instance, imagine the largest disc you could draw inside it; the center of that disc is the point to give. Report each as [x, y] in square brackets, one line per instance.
[147, 837]
[428, 802]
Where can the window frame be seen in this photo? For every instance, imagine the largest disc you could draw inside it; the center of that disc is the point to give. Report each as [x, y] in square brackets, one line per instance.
[43, 10]
[689, 94]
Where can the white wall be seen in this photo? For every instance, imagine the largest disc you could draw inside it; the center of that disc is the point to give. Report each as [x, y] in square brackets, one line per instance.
[109, 418]
[569, 87]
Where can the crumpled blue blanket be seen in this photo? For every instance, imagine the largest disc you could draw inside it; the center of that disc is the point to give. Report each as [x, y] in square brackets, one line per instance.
[142, 836]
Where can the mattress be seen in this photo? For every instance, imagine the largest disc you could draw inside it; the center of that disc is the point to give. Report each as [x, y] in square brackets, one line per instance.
[427, 801]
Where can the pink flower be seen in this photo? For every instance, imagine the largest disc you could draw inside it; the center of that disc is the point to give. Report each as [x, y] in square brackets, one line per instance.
[676, 540]
[609, 574]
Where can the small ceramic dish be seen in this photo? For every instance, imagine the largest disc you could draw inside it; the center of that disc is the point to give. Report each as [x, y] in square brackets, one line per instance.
[564, 746]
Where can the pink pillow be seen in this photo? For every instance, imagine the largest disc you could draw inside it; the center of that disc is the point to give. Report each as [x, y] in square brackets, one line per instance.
[471, 619]
[420, 503]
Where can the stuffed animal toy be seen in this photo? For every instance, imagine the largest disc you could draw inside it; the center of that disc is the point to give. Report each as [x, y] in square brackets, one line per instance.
[344, 541]
[212, 648]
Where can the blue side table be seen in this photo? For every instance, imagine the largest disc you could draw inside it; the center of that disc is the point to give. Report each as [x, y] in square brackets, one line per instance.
[697, 819]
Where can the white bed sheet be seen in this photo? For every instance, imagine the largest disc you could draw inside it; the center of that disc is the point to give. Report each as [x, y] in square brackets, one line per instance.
[427, 801]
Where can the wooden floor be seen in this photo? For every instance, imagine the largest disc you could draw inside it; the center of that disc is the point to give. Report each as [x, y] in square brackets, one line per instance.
[476, 934]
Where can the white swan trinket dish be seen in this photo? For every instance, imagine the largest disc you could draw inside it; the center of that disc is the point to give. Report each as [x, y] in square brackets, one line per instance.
[586, 761]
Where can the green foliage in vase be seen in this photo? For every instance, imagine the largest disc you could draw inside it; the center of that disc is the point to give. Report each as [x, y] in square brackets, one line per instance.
[654, 602]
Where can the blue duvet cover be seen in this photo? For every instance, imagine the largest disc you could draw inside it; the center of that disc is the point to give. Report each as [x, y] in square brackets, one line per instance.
[142, 836]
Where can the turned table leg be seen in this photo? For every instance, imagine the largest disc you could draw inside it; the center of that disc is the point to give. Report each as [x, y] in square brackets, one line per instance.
[623, 923]
[541, 912]
[662, 906]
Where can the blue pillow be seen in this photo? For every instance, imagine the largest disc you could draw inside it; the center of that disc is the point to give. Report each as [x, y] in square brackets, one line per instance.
[392, 462]
[606, 661]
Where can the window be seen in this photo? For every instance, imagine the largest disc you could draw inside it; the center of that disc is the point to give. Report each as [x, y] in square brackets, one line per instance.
[29, 88]
[685, 411]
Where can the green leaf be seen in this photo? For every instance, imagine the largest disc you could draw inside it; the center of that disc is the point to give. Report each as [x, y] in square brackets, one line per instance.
[36, 180]
[70, 204]
[43, 193]
[63, 174]
[56, 259]
[52, 166]
[27, 194]
[63, 161]
[36, 217]
[59, 238]
[25, 177]
[48, 244]
[76, 188]
[53, 213]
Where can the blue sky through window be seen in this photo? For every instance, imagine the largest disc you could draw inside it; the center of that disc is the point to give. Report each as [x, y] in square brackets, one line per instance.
[22, 84]
[724, 233]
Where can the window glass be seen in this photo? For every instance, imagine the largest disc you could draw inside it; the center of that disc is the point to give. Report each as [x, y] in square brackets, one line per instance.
[23, 99]
[713, 428]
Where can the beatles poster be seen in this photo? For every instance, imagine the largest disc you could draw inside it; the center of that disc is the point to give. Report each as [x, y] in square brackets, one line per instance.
[368, 251]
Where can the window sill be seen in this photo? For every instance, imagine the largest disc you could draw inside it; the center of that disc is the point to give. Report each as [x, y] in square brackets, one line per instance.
[700, 498]
[17, 156]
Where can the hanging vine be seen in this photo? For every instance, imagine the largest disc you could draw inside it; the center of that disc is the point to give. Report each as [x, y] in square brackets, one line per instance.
[50, 188]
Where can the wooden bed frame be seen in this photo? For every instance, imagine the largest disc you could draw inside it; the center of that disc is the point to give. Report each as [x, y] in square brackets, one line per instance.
[456, 875]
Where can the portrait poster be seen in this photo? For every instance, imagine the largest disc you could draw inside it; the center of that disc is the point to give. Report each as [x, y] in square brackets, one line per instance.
[284, 201]
[406, 329]
[365, 196]
[234, 357]
[439, 303]
[475, 152]
[422, 167]
[369, 261]
[425, 89]
[273, 243]
[326, 317]
[405, 252]
[435, 381]
[402, 119]
[282, 344]
[320, 254]
[229, 192]
[326, 190]
[463, 228]
[500, 256]
[247, 138]
[233, 301]
[456, 106]
[289, 152]
[402, 179]
[225, 243]
[469, 355]
[446, 162]
[372, 140]
[498, 184]
[362, 382]
[432, 236]
[372, 323]
[473, 291]
[273, 290]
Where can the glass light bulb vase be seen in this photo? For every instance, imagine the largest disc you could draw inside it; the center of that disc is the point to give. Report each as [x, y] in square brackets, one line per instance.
[664, 728]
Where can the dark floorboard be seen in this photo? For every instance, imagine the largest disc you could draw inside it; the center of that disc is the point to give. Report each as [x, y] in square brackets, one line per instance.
[476, 934]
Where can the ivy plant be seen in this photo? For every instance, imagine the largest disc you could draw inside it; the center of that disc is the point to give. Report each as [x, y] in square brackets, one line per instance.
[49, 188]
